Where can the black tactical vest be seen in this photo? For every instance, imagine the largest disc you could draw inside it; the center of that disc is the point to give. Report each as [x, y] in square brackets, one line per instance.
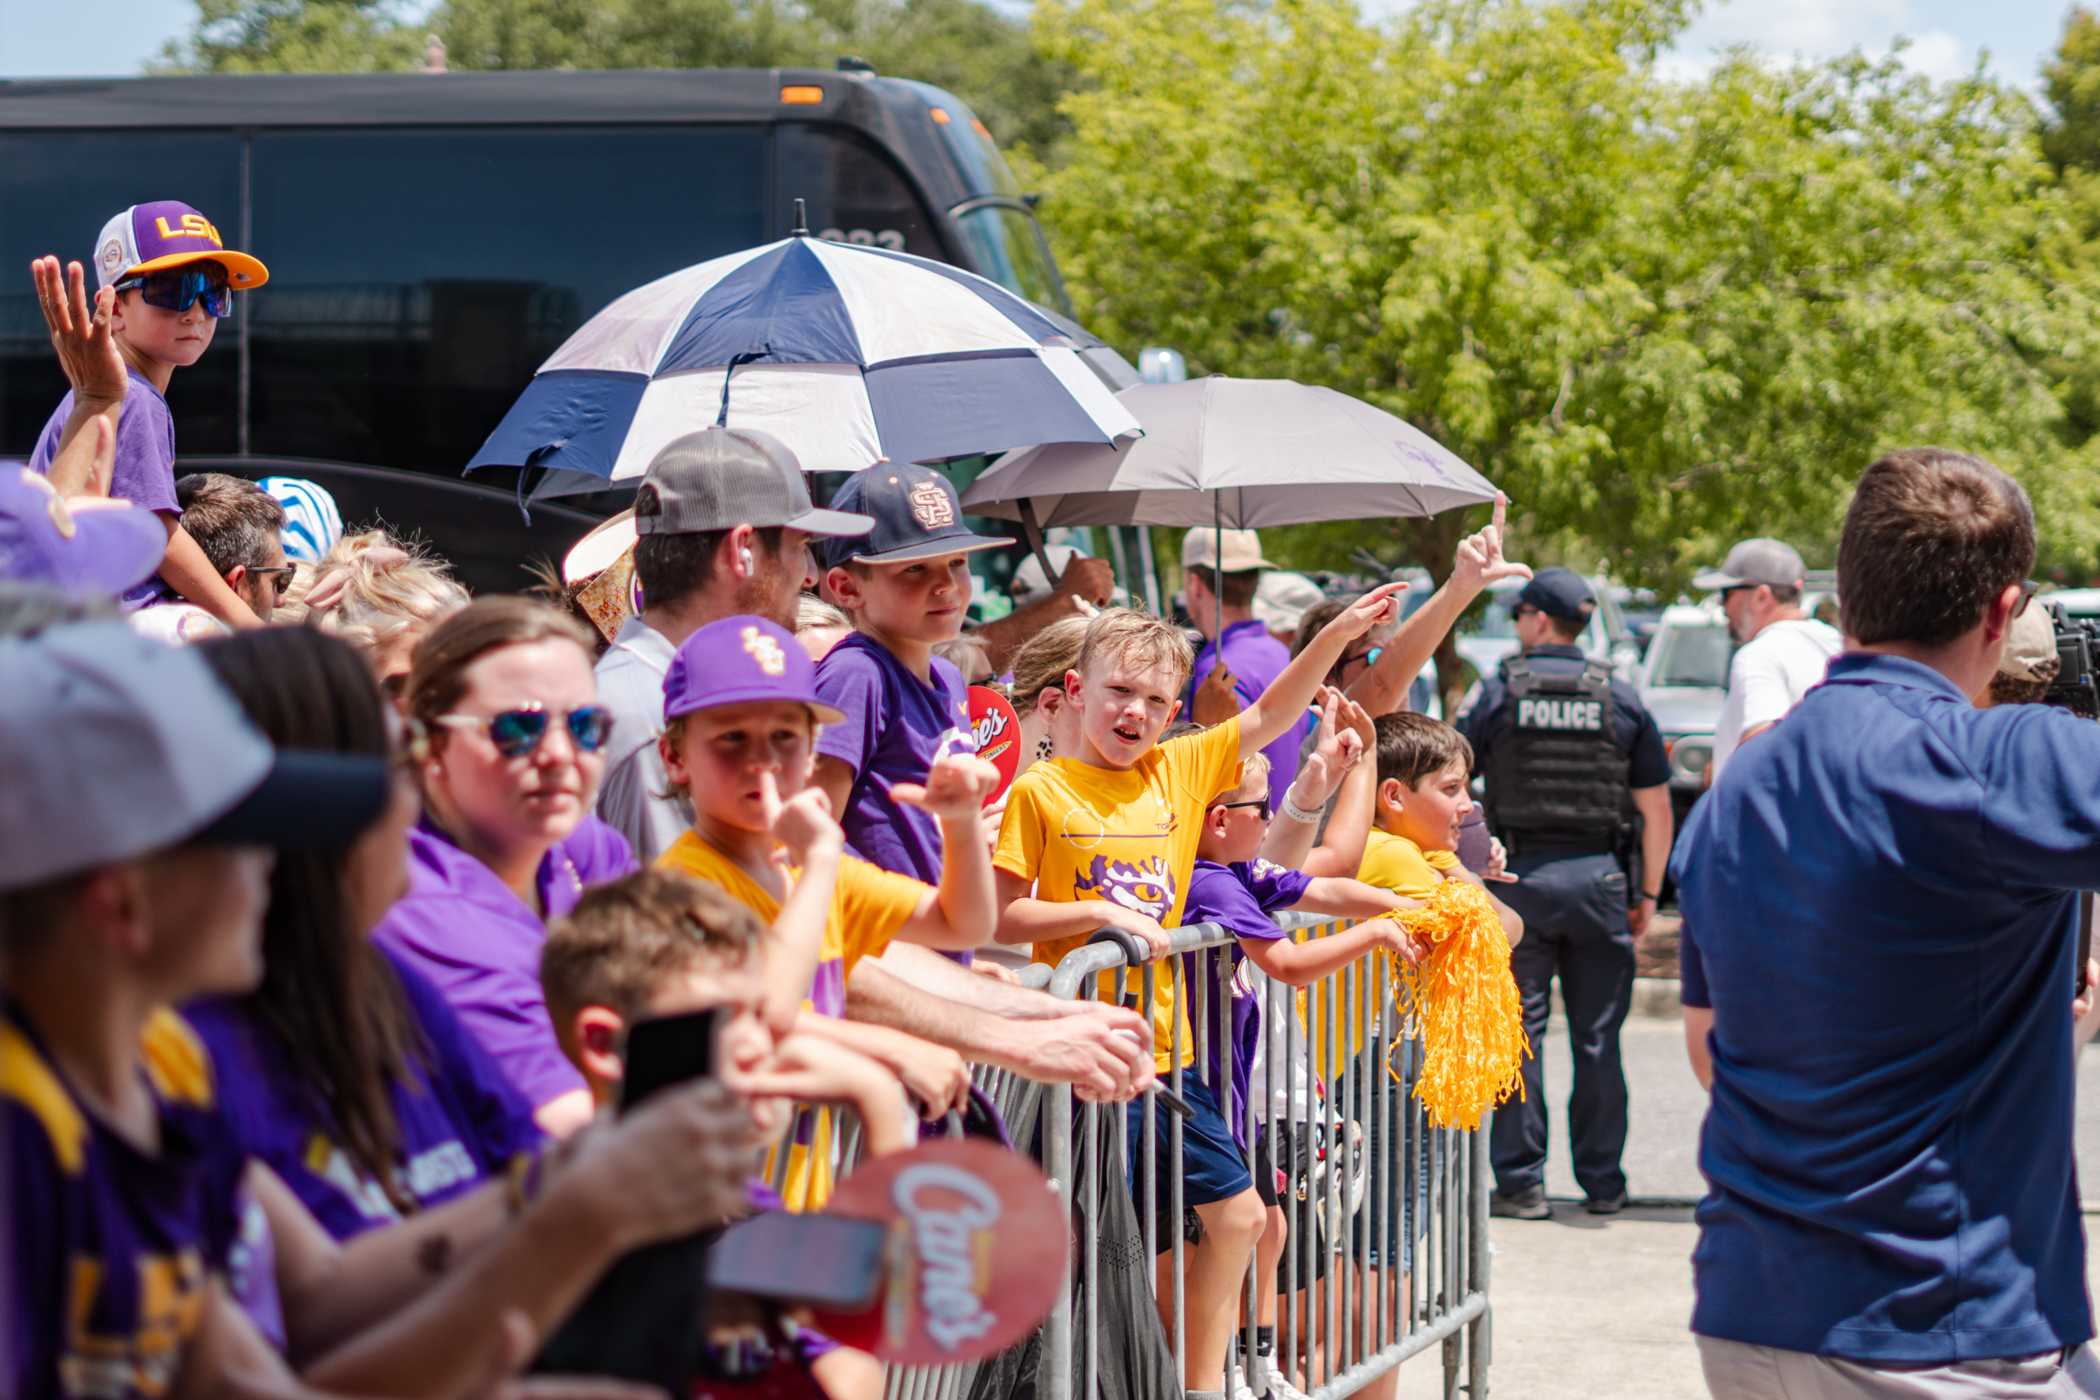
[1556, 775]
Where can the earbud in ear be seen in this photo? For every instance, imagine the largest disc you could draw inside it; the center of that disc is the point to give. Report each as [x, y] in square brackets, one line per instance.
[749, 565]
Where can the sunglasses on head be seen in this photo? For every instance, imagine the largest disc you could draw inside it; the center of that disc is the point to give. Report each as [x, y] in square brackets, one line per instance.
[175, 289]
[518, 732]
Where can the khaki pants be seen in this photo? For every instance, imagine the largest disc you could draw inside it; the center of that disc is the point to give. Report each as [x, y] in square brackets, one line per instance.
[1736, 1371]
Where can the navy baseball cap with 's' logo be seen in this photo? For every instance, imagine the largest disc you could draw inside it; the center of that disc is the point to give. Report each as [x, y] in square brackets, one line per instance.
[917, 516]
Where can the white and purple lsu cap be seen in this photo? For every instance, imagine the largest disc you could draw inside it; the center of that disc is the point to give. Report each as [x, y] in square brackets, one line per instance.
[168, 234]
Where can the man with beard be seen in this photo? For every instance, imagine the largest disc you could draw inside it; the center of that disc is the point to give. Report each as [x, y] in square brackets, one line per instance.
[724, 520]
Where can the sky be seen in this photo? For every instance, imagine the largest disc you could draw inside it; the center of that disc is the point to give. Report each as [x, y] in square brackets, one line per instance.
[39, 39]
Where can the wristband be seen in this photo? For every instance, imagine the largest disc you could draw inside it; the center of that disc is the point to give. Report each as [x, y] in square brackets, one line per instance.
[1294, 811]
[1647, 898]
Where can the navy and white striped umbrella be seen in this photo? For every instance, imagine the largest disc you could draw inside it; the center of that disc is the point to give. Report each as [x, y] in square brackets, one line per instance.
[848, 354]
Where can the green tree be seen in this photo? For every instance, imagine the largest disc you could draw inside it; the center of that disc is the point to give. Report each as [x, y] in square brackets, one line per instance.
[2071, 82]
[1659, 314]
[980, 53]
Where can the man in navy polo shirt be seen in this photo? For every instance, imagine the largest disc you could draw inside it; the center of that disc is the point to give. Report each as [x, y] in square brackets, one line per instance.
[1881, 893]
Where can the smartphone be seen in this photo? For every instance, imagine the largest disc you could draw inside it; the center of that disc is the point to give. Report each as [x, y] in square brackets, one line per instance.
[2085, 943]
[666, 1051]
[828, 1261]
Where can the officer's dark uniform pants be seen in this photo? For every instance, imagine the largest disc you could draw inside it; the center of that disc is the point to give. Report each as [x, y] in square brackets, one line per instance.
[1574, 912]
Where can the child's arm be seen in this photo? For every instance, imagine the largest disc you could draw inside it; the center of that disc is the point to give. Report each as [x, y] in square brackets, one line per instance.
[1347, 898]
[1025, 919]
[818, 1069]
[1512, 924]
[1341, 849]
[813, 842]
[1383, 686]
[1288, 696]
[1297, 964]
[190, 574]
[963, 912]
[933, 1074]
[1288, 841]
[93, 365]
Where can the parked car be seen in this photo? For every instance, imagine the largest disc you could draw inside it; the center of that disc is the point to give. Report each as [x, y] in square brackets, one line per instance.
[2075, 603]
[1683, 680]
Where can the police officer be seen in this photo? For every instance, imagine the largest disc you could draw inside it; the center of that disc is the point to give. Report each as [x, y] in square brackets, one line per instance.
[1578, 791]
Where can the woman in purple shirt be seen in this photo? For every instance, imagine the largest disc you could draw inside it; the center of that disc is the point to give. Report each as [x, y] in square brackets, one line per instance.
[344, 1072]
[504, 692]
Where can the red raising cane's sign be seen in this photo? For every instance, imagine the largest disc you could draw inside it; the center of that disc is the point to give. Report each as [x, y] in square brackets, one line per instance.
[998, 732]
[976, 1253]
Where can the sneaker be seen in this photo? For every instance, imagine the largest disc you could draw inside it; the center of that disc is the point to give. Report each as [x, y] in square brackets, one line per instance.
[1605, 1205]
[1281, 1389]
[1528, 1204]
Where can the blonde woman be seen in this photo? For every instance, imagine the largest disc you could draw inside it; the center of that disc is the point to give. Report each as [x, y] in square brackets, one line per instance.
[379, 594]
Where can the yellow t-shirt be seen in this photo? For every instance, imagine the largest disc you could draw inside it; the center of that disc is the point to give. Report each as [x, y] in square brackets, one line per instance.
[868, 906]
[1398, 864]
[1126, 836]
[1391, 863]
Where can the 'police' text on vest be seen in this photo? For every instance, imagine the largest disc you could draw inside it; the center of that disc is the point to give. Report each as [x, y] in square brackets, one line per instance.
[1561, 714]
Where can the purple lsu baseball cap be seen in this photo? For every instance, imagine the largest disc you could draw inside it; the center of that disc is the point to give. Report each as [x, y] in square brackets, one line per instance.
[90, 548]
[742, 661]
[167, 234]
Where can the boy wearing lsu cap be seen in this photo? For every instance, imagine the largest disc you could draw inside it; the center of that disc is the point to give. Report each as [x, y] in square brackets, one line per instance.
[169, 278]
[722, 526]
[740, 717]
[907, 586]
[1109, 840]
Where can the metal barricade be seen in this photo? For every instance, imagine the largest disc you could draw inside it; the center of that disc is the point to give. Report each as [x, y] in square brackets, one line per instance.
[1385, 1248]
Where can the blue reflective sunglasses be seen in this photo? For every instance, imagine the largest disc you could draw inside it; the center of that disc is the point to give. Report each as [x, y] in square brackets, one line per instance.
[177, 288]
[516, 733]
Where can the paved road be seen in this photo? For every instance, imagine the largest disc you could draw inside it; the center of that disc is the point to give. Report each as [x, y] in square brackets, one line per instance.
[1588, 1308]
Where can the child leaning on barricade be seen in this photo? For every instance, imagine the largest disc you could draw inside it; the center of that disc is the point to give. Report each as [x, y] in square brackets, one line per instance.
[740, 721]
[661, 944]
[1109, 839]
[1235, 888]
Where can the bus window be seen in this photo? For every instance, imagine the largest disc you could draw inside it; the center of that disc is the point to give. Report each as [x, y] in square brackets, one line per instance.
[421, 276]
[1006, 245]
[854, 191]
[56, 191]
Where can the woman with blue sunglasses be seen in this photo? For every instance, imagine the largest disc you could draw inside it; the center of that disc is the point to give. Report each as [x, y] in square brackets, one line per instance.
[509, 750]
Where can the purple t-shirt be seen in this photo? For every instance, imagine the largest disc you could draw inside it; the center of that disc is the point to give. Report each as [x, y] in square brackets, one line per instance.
[1255, 659]
[478, 944]
[461, 1121]
[144, 471]
[109, 1249]
[1243, 898]
[895, 726]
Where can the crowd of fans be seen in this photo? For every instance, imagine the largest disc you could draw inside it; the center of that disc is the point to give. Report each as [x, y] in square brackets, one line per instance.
[328, 893]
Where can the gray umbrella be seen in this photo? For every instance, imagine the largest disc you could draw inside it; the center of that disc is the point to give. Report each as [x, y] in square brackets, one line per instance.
[1246, 453]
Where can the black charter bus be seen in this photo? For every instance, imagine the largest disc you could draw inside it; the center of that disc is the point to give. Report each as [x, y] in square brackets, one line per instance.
[432, 237]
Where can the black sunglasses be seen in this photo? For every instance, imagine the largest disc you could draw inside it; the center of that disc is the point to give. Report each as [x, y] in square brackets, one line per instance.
[2028, 588]
[1261, 802]
[280, 576]
[516, 733]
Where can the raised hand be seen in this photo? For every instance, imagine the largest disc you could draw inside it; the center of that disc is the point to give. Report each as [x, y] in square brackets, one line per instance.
[1375, 609]
[1215, 700]
[1479, 561]
[803, 824]
[87, 352]
[955, 788]
[1087, 580]
[1325, 766]
[706, 1129]
[1497, 871]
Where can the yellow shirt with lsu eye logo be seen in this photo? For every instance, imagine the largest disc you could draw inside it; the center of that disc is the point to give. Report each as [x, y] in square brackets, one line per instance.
[1126, 836]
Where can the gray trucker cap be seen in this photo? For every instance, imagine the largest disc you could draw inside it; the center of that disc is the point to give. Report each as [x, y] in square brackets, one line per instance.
[719, 478]
[1756, 561]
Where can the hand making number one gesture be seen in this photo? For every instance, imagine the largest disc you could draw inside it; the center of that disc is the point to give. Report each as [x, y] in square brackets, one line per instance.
[1479, 563]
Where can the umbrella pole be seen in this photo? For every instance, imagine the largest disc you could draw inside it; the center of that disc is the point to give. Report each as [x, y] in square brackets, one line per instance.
[1217, 569]
[1032, 533]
